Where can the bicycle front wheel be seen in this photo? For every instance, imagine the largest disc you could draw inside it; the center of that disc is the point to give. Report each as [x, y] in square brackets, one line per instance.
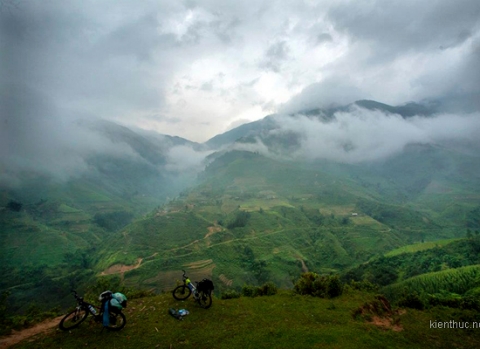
[205, 300]
[73, 319]
[117, 321]
[181, 292]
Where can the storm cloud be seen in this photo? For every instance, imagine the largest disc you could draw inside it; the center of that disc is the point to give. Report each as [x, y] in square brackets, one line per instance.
[194, 69]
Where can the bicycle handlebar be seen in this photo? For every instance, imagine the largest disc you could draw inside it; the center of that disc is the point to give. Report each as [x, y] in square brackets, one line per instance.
[77, 297]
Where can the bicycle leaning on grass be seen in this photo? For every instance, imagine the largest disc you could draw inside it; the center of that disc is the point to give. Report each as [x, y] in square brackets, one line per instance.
[202, 293]
[116, 319]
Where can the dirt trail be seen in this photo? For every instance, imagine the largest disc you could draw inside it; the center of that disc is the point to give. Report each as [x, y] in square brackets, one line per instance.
[121, 268]
[304, 266]
[212, 230]
[18, 336]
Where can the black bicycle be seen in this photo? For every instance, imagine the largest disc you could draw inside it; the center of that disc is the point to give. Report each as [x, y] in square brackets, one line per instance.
[202, 293]
[117, 319]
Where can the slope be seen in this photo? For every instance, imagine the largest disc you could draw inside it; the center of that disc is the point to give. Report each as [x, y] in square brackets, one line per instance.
[253, 218]
[280, 321]
[51, 226]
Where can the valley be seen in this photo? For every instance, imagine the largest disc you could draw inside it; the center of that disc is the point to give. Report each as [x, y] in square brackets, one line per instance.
[247, 218]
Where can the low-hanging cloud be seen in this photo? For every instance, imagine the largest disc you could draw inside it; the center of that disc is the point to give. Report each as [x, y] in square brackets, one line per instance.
[331, 92]
[361, 135]
[185, 159]
[37, 138]
[192, 68]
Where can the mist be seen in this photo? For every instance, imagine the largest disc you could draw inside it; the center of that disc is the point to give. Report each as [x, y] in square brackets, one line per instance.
[362, 135]
[196, 69]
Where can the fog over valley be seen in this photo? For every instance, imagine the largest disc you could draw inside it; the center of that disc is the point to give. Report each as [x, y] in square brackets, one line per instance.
[312, 160]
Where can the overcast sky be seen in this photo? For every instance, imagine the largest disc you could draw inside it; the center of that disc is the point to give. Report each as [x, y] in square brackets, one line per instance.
[198, 68]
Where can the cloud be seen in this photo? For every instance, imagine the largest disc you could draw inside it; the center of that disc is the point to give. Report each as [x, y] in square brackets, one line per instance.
[39, 138]
[192, 69]
[397, 28]
[323, 38]
[329, 93]
[183, 159]
[398, 52]
[361, 135]
[275, 55]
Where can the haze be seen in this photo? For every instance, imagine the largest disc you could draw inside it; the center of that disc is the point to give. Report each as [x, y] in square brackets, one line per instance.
[196, 69]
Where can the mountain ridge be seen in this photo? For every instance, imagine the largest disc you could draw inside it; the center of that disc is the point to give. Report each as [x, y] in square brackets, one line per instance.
[269, 122]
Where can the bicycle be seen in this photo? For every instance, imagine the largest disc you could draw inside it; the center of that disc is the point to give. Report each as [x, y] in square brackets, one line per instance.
[202, 293]
[81, 311]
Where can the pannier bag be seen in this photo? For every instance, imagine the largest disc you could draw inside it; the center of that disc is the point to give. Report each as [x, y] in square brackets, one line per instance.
[206, 285]
[117, 300]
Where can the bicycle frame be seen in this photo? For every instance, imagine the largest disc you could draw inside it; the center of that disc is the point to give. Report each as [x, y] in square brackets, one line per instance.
[90, 308]
[182, 292]
[190, 285]
[73, 319]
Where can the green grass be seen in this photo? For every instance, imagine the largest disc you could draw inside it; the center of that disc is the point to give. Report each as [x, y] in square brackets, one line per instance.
[281, 321]
[458, 280]
[419, 246]
[298, 213]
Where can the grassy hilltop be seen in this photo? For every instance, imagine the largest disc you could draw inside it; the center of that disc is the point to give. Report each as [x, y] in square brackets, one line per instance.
[284, 320]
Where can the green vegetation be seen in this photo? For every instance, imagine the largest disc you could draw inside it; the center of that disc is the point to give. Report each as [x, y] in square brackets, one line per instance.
[324, 286]
[457, 281]
[284, 320]
[250, 220]
[267, 289]
[416, 260]
[113, 221]
[240, 220]
[419, 246]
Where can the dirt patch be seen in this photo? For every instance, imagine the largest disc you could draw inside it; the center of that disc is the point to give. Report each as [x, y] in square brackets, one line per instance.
[167, 280]
[18, 336]
[212, 230]
[435, 187]
[198, 264]
[152, 256]
[227, 282]
[380, 313]
[121, 268]
[304, 266]
[386, 323]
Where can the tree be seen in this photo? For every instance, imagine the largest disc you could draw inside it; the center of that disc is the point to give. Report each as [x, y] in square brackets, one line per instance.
[14, 206]
[240, 220]
[258, 267]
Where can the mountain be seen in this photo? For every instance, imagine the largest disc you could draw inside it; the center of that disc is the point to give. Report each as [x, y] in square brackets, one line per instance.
[245, 130]
[262, 127]
[166, 142]
[53, 237]
[259, 207]
[406, 110]
[253, 218]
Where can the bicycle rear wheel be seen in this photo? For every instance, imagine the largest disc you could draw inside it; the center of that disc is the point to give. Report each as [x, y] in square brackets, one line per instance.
[73, 319]
[181, 292]
[205, 299]
[117, 321]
